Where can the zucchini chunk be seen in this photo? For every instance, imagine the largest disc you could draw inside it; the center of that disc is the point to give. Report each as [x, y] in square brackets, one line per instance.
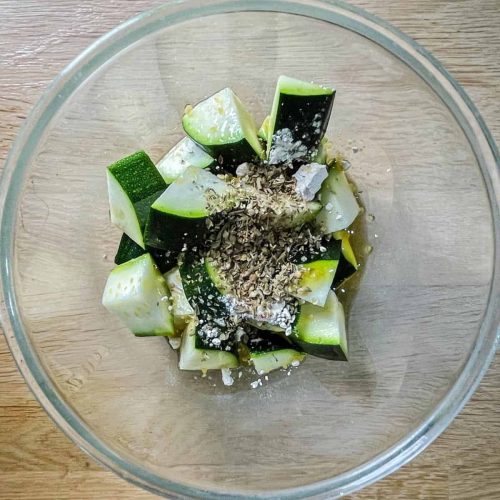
[195, 356]
[269, 351]
[348, 263]
[299, 118]
[185, 153]
[128, 250]
[137, 293]
[179, 215]
[224, 129]
[319, 273]
[340, 206]
[133, 184]
[182, 311]
[321, 331]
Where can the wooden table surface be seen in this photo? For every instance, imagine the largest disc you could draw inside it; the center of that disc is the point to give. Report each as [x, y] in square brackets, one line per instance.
[37, 39]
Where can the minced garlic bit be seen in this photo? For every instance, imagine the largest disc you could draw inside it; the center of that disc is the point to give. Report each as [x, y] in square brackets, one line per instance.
[309, 179]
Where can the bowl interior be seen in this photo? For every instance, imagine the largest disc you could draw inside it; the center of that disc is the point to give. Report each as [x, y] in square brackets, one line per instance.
[412, 323]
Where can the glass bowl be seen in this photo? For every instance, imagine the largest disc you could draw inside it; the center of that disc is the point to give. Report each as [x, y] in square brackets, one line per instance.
[422, 326]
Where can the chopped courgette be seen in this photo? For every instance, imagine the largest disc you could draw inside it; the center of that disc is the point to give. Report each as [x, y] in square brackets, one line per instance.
[128, 250]
[263, 132]
[181, 308]
[185, 153]
[321, 331]
[319, 272]
[138, 294]
[224, 129]
[299, 118]
[179, 215]
[348, 263]
[201, 291]
[340, 207]
[133, 184]
[194, 356]
[270, 351]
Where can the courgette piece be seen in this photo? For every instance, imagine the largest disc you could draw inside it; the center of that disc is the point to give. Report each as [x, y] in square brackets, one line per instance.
[319, 273]
[129, 249]
[324, 154]
[194, 356]
[201, 291]
[321, 331]
[181, 308]
[269, 351]
[215, 276]
[222, 127]
[340, 206]
[299, 118]
[184, 154]
[137, 293]
[348, 263]
[133, 184]
[263, 132]
[179, 215]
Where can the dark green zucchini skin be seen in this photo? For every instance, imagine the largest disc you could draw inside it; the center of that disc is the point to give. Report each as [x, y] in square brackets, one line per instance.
[229, 156]
[332, 352]
[344, 270]
[128, 249]
[333, 252]
[305, 116]
[260, 341]
[138, 165]
[164, 259]
[204, 298]
[170, 232]
[200, 290]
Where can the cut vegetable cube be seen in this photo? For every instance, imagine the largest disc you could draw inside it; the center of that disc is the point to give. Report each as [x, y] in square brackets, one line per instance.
[201, 291]
[182, 310]
[321, 331]
[263, 132]
[340, 206]
[299, 118]
[269, 351]
[133, 184]
[195, 357]
[137, 293]
[316, 281]
[319, 271]
[184, 154]
[128, 250]
[348, 264]
[178, 216]
[224, 129]
[324, 154]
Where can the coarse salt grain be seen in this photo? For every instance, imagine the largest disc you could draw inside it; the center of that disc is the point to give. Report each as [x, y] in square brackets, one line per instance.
[256, 383]
[227, 379]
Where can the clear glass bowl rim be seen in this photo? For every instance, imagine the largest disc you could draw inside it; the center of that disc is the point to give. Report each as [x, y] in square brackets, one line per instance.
[74, 75]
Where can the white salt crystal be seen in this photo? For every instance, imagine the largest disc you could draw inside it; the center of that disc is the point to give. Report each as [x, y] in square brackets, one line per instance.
[227, 379]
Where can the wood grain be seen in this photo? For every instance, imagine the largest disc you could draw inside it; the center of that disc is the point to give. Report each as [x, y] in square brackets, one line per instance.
[37, 39]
